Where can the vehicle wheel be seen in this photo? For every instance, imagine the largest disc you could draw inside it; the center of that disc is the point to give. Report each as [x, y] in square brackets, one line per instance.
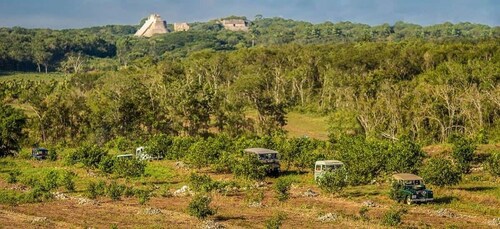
[408, 200]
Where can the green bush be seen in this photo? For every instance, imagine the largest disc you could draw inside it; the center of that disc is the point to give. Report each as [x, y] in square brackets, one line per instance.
[89, 155]
[249, 167]
[129, 167]
[95, 189]
[52, 155]
[92, 191]
[114, 190]
[67, 180]
[51, 180]
[365, 159]
[276, 221]
[282, 188]
[129, 191]
[201, 183]
[404, 156]
[13, 176]
[199, 207]
[463, 152]
[393, 216]
[440, 172]
[107, 164]
[143, 195]
[333, 181]
[493, 163]
[362, 213]
[158, 145]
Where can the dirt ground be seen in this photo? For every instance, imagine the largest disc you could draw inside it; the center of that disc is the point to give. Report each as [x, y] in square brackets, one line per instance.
[232, 211]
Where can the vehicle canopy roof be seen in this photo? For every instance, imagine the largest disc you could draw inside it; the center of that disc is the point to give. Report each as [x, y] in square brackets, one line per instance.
[406, 176]
[329, 162]
[260, 151]
[41, 149]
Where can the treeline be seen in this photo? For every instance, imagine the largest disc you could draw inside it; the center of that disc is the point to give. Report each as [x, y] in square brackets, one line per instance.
[422, 90]
[76, 50]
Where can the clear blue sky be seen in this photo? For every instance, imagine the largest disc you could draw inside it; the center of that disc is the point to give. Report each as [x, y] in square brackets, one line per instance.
[59, 14]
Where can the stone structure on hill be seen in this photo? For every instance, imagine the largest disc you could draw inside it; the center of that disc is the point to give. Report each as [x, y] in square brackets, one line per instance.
[235, 24]
[181, 27]
[154, 25]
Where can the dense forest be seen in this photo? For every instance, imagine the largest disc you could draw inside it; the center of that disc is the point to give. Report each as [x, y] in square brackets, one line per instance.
[381, 82]
[62, 50]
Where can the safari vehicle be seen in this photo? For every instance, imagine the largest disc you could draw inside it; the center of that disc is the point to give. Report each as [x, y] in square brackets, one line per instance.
[267, 157]
[410, 188]
[39, 153]
[321, 167]
[142, 154]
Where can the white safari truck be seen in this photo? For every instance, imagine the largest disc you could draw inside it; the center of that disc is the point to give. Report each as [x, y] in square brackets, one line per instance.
[320, 167]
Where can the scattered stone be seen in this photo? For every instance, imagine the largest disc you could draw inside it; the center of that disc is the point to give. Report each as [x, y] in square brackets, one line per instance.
[60, 196]
[19, 187]
[310, 193]
[369, 204]
[494, 222]
[85, 201]
[260, 184]
[210, 224]
[37, 220]
[149, 211]
[181, 165]
[255, 204]
[329, 217]
[184, 191]
[443, 212]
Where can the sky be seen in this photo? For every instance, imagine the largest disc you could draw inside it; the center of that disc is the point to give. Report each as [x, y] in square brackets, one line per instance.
[60, 14]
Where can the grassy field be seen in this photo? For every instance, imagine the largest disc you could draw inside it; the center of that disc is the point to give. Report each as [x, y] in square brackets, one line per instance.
[474, 203]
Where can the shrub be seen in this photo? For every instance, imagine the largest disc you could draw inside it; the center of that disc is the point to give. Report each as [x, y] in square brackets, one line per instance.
[333, 181]
[114, 190]
[92, 192]
[202, 183]
[404, 156]
[364, 159]
[13, 176]
[276, 221]
[107, 164]
[67, 180]
[199, 207]
[90, 156]
[393, 217]
[159, 144]
[282, 187]
[143, 195]
[441, 172]
[129, 167]
[52, 155]
[493, 163]
[129, 191]
[51, 180]
[95, 189]
[463, 152]
[249, 167]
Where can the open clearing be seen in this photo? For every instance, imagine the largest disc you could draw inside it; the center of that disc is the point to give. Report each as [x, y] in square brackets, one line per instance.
[472, 204]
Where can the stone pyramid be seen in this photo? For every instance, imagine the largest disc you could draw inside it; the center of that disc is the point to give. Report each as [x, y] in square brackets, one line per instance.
[154, 25]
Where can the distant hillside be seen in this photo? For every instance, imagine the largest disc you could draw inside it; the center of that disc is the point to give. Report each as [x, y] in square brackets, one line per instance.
[43, 49]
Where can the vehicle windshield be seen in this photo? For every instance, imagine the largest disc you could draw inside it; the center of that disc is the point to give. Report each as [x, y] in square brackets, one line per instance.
[413, 182]
[332, 167]
[267, 156]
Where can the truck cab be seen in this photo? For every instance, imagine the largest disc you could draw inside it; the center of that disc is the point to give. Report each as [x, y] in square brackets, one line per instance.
[267, 157]
[321, 167]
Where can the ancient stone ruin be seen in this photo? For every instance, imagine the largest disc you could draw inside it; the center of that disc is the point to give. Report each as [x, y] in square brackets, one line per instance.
[154, 25]
[235, 24]
[181, 27]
